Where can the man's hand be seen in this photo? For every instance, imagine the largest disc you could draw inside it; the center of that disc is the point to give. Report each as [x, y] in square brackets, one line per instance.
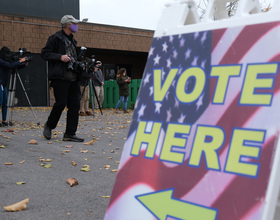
[65, 58]
[22, 60]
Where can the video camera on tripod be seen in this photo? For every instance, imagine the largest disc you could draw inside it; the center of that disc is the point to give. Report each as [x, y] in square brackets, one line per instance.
[87, 65]
[15, 56]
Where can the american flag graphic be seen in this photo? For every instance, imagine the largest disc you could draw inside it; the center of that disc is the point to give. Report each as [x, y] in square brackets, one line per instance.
[233, 196]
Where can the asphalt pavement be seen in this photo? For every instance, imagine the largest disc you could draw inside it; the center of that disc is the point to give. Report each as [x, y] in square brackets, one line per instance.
[35, 168]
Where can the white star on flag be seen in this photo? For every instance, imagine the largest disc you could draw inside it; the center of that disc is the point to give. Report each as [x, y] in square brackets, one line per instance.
[182, 118]
[151, 90]
[147, 78]
[199, 102]
[156, 59]
[188, 54]
[168, 65]
[164, 47]
[158, 106]
[182, 42]
[176, 103]
[196, 35]
[194, 62]
[151, 52]
[141, 111]
[204, 37]
[175, 54]
[203, 64]
[169, 115]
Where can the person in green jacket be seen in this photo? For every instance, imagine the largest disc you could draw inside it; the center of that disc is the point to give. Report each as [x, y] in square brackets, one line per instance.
[123, 81]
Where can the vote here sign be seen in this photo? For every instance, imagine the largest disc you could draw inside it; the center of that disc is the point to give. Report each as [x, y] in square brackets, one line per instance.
[204, 128]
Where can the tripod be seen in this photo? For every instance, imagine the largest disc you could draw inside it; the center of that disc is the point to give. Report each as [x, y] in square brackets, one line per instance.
[11, 96]
[92, 91]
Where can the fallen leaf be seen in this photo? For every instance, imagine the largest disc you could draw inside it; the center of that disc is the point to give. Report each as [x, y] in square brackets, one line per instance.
[105, 196]
[32, 142]
[9, 130]
[20, 183]
[48, 165]
[22, 162]
[106, 166]
[68, 146]
[17, 206]
[72, 181]
[74, 163]
[65, 151]
[59, 141]
[114, 170]
[2, 146]
[8, 164]
[91, 142]
[48, 160]
[84, 151]
[85, 168]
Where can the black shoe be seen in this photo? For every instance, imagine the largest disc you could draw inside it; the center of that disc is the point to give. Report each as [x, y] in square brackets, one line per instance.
[4, 123]
[10, 123]
[67, 137]
[47, 132]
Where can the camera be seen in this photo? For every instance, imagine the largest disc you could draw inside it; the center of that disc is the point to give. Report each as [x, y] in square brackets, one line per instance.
[77, 66]
[15, 56]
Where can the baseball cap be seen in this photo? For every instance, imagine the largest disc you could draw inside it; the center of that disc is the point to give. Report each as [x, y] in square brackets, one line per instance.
[69, 19]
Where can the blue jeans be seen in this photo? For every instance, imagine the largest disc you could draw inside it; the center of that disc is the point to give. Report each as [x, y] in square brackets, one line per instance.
[3, 101]
[122, 99]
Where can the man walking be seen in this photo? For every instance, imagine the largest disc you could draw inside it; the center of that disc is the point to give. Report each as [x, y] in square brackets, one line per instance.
[61, 53]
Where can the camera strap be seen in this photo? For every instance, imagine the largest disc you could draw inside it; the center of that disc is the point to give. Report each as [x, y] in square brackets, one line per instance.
[69, 47]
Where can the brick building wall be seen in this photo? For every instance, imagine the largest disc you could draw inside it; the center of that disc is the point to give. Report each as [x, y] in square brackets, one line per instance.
[115, 45]
[32, 33]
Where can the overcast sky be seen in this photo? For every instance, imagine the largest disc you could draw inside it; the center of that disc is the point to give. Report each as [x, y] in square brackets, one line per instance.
[143, 14]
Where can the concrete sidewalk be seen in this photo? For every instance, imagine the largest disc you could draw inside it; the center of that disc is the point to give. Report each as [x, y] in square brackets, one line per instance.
[51, 197]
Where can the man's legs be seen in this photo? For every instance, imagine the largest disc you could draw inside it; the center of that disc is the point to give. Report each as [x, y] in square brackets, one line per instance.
[84, 100]
[60, 89]
[73, 105]
[101, 95]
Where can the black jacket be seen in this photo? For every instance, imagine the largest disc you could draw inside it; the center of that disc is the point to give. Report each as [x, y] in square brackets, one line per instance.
[5, 69]
[123, 86]
[52, 52]
[98, 78]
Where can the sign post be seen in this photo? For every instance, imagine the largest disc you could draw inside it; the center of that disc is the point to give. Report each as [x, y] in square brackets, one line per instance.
[203, 143]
